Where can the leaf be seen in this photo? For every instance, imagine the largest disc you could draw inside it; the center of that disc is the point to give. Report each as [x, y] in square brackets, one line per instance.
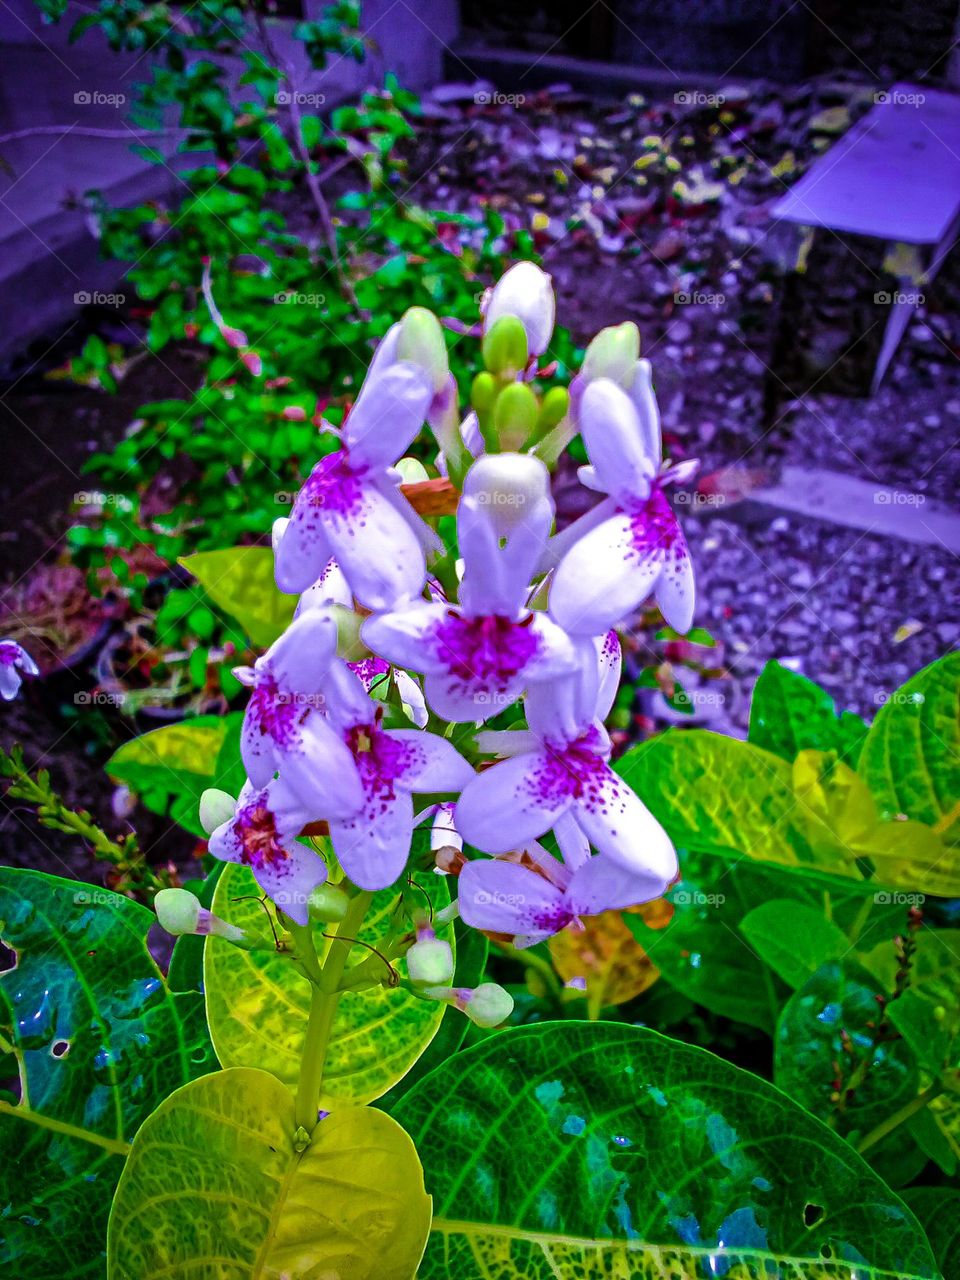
[826, 1030]
[938, 1209]
[257, 1003]
[98, 1041]
[793, 939]
[718, 795]
[788, 713]
[702, 951]
[240, 580]
[910, 758]
[598, 1150]
[171, 767]
[215, 1187]
[606, 956]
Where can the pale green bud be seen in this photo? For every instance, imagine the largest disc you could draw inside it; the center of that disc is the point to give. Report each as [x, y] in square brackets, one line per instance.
[515, 415]
[328, 902]
[216, 808]
[526, 293]
[505, 347]
[412, 471]
[180, 912]
[430, 963]
[421, 343]
[613, 354]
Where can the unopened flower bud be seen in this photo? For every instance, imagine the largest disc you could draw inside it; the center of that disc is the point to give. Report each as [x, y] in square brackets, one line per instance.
[487, 1005]
[328, 902]
[509, 485]
[483, 393]
[233, 337]
[613, 354]
[515, 415]
[412, 471]
[421, 343]
[252, 363]
[216, 808]
[505, 347]
[524, 292]
[430, 963]
[294, 413]
[180, 912]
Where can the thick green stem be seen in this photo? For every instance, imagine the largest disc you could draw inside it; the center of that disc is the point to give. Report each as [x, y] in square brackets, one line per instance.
[323, 1007]
[898, 1117]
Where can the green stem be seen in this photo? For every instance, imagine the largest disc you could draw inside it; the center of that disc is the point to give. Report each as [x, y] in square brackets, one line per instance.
[898, 1117]
[323, 1006]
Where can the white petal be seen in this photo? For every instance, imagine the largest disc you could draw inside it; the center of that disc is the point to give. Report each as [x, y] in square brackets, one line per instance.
[320, 770]
[617, 823]
[430, 763]
[601, 884]
[414, 703]
[388, 413]
[373, 847]
[467, 702]
[525, 291]
[504, 897]
[675, 588]
[443, 832]
[330, 588]
[303, 550]
[290, 881]
[573, 844]
[9, 683]
[610, 657]
[648, 412]
[256, 748]
[224, 843]
[513, 803]
[614, 440]
[377, 550]
[407, 637]
[300, 659]
[603, 578]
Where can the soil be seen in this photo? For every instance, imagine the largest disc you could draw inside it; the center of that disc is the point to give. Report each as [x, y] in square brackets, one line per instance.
[704, 281]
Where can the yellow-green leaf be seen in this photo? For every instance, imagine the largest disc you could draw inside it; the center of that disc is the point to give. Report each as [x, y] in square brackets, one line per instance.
[257, 1003]
[215, 1188]
[240, 580]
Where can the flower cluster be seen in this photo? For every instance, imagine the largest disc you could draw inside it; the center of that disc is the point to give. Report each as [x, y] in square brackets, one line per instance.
[370, 714]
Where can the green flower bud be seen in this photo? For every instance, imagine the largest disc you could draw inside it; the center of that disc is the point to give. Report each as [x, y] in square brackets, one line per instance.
[553, 409]
[430, 963]
[328, 902]
[489, 1005]
[483, 393]
[421, 342]
[515, 415]
[216, 808]
[613, 354]
[180, 912]
[412, 471]
[505, 347]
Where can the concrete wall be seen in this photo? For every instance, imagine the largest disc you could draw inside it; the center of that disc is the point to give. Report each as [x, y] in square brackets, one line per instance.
[48, 254]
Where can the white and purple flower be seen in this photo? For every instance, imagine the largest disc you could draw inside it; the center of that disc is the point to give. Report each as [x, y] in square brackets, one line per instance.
[630, 544]
[15, 663]
[262, 835]
[479, 656]
[350, 506]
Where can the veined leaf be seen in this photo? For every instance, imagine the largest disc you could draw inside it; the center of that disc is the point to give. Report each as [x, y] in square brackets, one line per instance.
[257, 1003]
[98, 1041]
[240, 580]
[938, 1209]
[170, 768]
[606, 956]
[215, 1187]
[597, 1150]
[793, 939]
[789, 713]
[911, 758]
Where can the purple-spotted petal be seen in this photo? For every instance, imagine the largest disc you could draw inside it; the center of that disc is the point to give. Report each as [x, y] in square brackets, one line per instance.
[675, 589]
[256, 746]
[377, 549]
[429, 762]
[618, 824]
[610, 658]
[605, 576]
[321, 772]
[601, 884]
[290, 880]
[388, 413]
[515, 802]
[504, 897]
[408, 637]
[303, 549]
[373, 846]
[330, 588]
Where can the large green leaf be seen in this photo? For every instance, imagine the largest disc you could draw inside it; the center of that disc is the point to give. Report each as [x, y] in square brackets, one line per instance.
[598, 1150]
[257, 1003]
[98, 1041]
[240, 580]
[704, 953]
[171, 767]
[938, 1209]
[793, 939]
[789, 713]
[911, 758]
[719, 795]
[828, 1026]
[215, 1187]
